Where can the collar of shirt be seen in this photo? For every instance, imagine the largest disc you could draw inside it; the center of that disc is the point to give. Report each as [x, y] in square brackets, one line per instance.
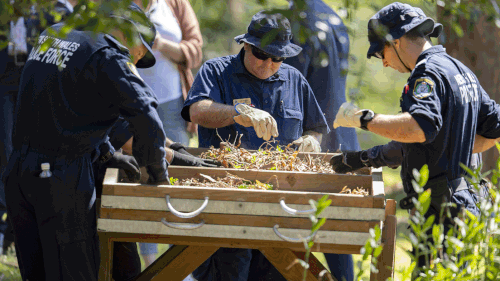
[67, 4]
[240, 69]
[432, 50]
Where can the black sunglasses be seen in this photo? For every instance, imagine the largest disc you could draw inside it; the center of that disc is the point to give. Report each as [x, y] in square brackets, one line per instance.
[261, 55]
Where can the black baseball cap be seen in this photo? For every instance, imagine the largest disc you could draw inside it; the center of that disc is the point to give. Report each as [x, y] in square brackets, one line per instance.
[395, 20]
[146, 29]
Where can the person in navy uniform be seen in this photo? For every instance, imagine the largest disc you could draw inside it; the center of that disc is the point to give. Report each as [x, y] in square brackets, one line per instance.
[324, 63]
[70, 96]
[446, 115]
[256, 95]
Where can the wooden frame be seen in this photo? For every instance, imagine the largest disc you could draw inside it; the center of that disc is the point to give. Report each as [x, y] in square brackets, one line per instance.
[244, 219]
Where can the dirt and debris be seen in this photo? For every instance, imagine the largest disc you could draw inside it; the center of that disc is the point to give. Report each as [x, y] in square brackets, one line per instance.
[267, 157]
[357, 191]
[229, 181]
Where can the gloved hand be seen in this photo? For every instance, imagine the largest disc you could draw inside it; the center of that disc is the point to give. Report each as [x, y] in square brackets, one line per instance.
[348, 116]
[158, 173]
[264, 124]
[308, 143]
[184, 158]
[348, 161]
[179, 148]
[127, 163]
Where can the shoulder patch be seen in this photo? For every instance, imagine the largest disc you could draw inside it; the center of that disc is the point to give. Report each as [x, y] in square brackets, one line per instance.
[423, 88]
[133, 69]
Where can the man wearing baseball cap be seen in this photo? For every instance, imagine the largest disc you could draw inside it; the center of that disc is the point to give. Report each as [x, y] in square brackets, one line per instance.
[70, 96]
[446, 115]
[256, 96]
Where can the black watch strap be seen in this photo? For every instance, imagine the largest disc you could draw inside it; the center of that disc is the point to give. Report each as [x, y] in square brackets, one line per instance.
[363, 156]
[103, 158]
[367, 116]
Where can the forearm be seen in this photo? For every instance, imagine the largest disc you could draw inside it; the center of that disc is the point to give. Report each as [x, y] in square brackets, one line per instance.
[170, 50]
[482, 144]
[318, 136]
[401, 128]
[210, 114]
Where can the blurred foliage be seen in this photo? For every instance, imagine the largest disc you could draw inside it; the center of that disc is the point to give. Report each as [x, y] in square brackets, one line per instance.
[369, 84]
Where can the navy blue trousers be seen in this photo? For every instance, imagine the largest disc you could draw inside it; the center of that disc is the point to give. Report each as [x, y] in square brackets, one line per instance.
[54, 219]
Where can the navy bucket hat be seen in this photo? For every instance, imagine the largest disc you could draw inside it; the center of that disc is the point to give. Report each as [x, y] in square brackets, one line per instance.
[146, 29]
[271, 33]
[395, 20]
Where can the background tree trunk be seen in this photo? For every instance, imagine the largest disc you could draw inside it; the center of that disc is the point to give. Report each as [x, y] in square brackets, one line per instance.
[477, 49]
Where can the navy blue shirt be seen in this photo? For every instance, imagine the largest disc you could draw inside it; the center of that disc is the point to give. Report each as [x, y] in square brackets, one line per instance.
[324, 63]
[72, 93]
[286, 96]
[451, 107]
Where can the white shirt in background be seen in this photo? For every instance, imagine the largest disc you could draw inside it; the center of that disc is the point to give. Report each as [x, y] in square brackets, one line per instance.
[164, 77]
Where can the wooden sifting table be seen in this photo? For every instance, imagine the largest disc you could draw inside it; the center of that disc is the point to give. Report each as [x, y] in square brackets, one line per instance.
[199, 220]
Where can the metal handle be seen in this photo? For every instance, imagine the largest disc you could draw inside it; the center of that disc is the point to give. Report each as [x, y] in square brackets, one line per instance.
[181, 226]
[295, 212]
[185, 215]
[293, 240]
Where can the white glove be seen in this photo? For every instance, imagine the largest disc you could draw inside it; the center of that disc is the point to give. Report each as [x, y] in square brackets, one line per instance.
[308, 143]
[349, 115]
[264, 124]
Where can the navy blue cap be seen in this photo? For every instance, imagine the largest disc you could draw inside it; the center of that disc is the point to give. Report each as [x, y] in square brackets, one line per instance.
[271, 33]
[395, 20]
[146, 30]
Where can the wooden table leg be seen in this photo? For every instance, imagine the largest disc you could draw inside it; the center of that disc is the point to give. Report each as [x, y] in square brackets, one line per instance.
[385, 262]
[106, 247]
[285, 262]
[177, 263]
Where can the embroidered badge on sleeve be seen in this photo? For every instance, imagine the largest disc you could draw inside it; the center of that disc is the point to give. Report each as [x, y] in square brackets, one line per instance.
[423, 88]
[133, 69]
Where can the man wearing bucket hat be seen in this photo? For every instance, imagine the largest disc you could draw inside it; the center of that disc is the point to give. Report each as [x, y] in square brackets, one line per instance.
[446, 115]
[256, 96]
[70, 95]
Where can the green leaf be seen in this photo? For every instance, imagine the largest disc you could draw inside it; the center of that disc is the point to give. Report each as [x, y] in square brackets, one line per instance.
[424, 175]
[457, 28]
[310, 244]
[428, 223]
[425, 201]
[377, 251]
[317, 225]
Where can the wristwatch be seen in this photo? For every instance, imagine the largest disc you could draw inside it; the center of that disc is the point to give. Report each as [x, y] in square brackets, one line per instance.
[367, 116]
[364, 158]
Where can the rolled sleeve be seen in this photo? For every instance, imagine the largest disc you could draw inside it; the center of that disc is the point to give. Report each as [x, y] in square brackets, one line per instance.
[205, 86]
[314, 119]
[424, 106]
[124, 88]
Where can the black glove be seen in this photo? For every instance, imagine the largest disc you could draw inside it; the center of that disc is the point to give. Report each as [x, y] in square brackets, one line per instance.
[181, 159]
[158, 173]
[349, 161]
[127, 163]
[184, 158]
[179, 148]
